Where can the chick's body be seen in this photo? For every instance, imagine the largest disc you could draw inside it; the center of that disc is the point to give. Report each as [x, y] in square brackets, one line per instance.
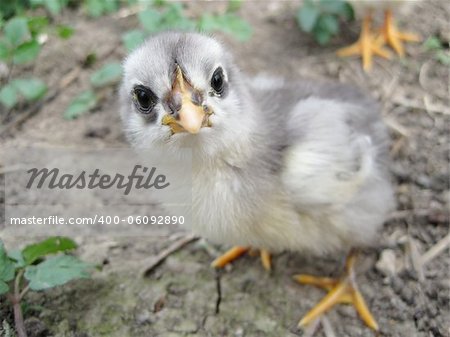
[310, 176]
[297, 165]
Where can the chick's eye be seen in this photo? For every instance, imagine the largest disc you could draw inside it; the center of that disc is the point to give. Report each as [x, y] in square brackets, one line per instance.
[218, 81]
[144, 99]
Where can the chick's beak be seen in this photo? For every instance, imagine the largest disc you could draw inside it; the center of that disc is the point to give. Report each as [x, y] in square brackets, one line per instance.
[191, 115]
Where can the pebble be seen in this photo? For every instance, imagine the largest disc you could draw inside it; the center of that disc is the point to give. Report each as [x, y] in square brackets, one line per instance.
[239, 332]
[143, 317]
[386, 264]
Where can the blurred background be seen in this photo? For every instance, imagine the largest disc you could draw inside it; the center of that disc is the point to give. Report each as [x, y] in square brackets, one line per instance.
[60, 63]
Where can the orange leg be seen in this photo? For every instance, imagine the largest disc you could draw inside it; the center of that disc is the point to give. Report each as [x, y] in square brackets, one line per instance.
[343, 290]
[394, 37]
[366, 46]
[236, 252]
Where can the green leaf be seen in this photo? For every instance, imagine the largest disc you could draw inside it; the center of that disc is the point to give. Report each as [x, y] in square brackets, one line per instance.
[234, 5]
[159, 3]
[110, 6]
[110, 73]
[174, 18]
[30, 88]
[53, 6]
[4, 288]
[322, 36]
[36, 24]
[49, 246]
[81, 104]
[16, 255]
[56, 271]
[65, 32]
[237, 27]
[8, 96]
[432, 43]
[26, 52]
[7, 269]
[332, 6]
[207, 23]
[443, 57]
[228, 23]
[150, 19]
[4, 50]
[348, 12]
[133, 39]
[94, 7]
[328, 23]
[89, 60]
[16, 31]
[307, 17]
[36, 3]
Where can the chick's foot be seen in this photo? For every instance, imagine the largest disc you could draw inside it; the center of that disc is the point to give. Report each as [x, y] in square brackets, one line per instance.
[342, 290]
[236, 252]
[394, 37]
[366, 46]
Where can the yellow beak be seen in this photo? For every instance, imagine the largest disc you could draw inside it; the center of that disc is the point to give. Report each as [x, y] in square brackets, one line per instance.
[191, 117]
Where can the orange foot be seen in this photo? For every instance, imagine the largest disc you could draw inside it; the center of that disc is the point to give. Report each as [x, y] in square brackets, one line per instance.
[394, 37]
[237, 252]
[343, 290]
[366, 46]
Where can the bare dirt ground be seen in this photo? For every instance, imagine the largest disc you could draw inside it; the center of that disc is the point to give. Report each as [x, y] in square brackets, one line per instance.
[404, 282]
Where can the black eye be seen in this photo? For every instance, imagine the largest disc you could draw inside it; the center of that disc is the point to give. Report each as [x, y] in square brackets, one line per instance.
[144, 99]
[218, 81]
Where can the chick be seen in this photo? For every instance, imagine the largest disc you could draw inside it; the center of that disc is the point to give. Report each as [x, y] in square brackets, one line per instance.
[277, 165]
[371, 43]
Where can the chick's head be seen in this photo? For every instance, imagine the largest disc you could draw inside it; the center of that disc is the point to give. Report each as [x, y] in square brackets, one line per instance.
[183, 90]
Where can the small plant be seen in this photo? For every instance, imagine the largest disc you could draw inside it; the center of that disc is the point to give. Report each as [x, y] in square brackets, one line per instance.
[108, 75]
[96, 8]
[19, 45]
[37, 268]
[434, 44]
[158, 16]
[170, 15]
[321, 18]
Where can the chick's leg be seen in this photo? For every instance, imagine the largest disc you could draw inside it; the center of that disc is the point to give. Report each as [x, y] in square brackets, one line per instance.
[236, 252]
[343, 290]
[366, 46]
[393, 36]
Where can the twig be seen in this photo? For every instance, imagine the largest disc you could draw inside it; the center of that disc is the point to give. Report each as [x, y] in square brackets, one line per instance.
[434, 251]
[327, 327]
[436, 108]
[311, 329]
[398, 146]
[15, 300]
[219, 290]
[404, 213]
[415, 258]
[155, 261]
[24, 291]
[397, 127]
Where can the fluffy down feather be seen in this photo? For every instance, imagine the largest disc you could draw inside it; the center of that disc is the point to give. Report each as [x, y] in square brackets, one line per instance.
[298, 165]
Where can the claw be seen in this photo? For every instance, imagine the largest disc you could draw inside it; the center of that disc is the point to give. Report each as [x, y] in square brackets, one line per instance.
[342, 290]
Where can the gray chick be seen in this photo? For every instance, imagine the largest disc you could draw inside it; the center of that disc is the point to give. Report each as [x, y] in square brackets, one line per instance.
[277, 165]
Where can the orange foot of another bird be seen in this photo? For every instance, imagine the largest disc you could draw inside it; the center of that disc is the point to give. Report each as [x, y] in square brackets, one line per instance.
[343, 290]
[367, 45]
[394, 37]
[236, 252]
